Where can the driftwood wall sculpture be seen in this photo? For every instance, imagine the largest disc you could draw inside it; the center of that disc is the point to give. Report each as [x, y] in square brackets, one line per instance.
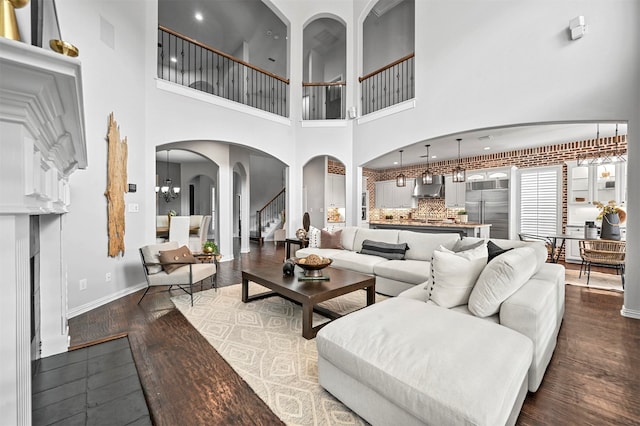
[116, 187]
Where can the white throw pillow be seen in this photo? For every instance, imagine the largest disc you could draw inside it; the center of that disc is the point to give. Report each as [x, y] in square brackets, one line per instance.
[502, 277]
[314, 237]
[453, 275]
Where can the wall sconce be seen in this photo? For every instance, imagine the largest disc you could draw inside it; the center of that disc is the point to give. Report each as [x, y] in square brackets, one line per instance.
[577, 27]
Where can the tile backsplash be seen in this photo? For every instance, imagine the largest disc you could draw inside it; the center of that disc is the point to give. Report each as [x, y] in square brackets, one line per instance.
[432, 208]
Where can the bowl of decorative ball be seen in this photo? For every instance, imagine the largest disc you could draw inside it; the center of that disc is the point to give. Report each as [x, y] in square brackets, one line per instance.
[312, 264]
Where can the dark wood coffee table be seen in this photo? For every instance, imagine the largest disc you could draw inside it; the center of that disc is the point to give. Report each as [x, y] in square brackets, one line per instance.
[307, 293]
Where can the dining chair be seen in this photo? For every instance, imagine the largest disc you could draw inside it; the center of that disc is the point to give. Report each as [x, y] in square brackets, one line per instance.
[179, 230]
[552, 252]
[197, 241]
[606, 253]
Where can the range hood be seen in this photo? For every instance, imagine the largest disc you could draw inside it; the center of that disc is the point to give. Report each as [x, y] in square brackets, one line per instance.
[433, 190]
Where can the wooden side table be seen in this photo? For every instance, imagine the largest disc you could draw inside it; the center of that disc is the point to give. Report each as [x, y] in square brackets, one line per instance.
[289, 241]
[210, 258]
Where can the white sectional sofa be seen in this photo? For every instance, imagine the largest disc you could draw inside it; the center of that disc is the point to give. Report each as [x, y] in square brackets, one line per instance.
[392, 276]
[408, 360]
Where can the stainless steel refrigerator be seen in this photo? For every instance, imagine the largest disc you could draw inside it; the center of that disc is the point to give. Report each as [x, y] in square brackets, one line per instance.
[488, 202]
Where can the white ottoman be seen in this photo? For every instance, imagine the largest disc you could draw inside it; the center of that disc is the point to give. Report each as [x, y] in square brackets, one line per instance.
[405, 362]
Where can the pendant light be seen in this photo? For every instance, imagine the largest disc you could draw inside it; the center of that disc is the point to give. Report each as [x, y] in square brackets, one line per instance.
[459, 174]
[427, 175]
[401, 180]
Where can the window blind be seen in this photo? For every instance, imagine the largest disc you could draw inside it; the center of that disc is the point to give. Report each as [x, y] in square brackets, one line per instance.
[540, 201]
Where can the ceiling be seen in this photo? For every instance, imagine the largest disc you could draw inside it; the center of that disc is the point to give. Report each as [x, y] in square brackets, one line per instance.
[180, 156]
[502, 139]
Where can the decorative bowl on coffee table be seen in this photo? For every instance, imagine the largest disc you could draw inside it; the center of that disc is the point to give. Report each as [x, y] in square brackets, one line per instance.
[311, 269]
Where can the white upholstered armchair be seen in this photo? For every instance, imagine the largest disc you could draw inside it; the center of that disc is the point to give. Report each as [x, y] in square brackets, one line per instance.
[168, 264]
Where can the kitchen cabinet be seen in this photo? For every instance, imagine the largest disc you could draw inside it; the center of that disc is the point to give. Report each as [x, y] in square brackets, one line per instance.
[596, 182]
[336, 194]
[487, 174]
[454, 193]
[390, 196]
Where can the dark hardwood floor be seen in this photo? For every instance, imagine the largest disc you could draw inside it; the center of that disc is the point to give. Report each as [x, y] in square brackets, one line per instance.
[593, 378]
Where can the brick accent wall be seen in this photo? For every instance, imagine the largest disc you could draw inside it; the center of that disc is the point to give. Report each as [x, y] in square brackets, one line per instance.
[522, 159]
[335, 167]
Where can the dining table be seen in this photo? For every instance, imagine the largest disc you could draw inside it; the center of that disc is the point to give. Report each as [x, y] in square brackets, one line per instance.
[163, 231]
[557, 243]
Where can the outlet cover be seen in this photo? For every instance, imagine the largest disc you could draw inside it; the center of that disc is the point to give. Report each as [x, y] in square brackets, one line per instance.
[83, 284]
[107, 277]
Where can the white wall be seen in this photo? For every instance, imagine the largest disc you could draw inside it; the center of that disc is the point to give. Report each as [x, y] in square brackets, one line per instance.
[113, 81]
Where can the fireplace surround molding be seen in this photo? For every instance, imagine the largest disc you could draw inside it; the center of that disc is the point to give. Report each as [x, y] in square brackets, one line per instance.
[42, 140]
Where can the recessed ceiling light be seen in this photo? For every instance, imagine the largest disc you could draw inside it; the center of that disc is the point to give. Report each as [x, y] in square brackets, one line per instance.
[395, 162]
[174, 59]
[434, 156]
[487, 148]
[199, 16]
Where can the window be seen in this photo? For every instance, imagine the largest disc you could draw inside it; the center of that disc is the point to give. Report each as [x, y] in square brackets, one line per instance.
[540, 200]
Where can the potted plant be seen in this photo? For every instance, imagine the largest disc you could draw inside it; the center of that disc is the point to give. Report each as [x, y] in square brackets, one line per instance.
[612, 216]
[210, 247]
[463, 216]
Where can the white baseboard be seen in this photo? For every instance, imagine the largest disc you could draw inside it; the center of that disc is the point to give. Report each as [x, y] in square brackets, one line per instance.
[104, 300]
[630, 313]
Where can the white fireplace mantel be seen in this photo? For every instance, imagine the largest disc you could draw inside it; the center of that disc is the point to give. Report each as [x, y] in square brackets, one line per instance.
[42, 127]
[42, 141]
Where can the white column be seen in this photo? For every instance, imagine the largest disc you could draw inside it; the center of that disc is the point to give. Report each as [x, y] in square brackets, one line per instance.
[631, 307]
[15, 321]
[225, 208]
[54, 333]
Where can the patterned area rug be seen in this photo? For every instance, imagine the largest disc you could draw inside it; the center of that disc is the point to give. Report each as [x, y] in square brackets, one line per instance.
[262, 341]
[598, 280]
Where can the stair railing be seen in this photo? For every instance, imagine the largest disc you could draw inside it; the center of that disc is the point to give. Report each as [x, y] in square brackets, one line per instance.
[269, 213]
[324, 101]
[389, 85]
[188, 62]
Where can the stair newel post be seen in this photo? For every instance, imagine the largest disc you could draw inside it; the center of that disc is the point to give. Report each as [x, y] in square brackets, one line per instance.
[259, 225]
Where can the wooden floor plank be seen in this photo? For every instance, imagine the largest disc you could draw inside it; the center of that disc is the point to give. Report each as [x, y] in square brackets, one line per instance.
[593, 378]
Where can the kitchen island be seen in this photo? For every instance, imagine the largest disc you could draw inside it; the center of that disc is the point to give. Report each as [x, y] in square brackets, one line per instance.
[479, 230]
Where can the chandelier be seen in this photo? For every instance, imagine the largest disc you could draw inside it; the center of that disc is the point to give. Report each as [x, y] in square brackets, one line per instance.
[167, 191]
[601, 156]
